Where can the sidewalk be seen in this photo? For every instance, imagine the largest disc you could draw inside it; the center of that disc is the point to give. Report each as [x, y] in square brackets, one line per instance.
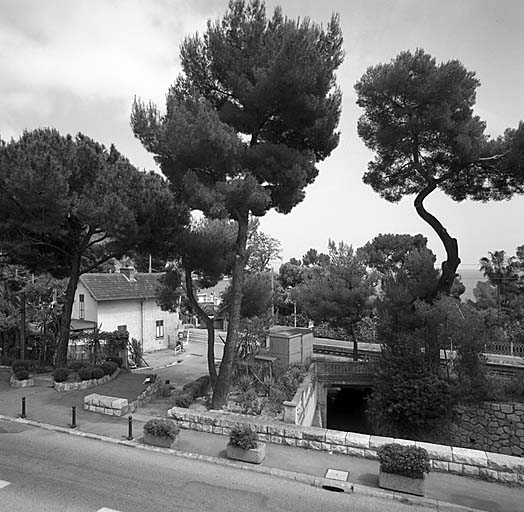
[46, 406]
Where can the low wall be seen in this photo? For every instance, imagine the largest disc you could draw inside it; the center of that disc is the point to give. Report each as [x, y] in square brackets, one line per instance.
[65, 386]
[301, 410]
[490, 426]
[462, 461]
[114, 406]
[85, 384]
[26, 383]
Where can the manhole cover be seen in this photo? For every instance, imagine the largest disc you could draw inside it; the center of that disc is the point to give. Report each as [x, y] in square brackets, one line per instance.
[337, 474]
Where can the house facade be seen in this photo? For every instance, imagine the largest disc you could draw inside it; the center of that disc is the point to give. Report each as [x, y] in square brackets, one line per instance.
[126, 300]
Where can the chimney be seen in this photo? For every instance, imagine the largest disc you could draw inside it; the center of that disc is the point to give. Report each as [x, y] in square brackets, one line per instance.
[129, 272]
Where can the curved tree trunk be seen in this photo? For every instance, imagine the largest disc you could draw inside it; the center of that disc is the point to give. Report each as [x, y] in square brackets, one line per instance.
[65, 318]
[226, 366]
[450, 265]
[210, 326]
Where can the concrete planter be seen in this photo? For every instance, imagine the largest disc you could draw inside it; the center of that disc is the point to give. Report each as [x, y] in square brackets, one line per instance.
[252, 455]
[401, 483]
[162, 442]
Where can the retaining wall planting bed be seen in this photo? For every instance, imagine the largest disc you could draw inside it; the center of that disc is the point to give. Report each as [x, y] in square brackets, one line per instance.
[85, 384]
[464, 461]
[15, 383]
[120, 406]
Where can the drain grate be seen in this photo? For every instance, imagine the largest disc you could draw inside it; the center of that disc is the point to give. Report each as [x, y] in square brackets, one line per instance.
[337, 474]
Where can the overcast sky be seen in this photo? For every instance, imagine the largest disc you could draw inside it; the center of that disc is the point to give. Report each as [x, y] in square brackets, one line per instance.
[77, 64]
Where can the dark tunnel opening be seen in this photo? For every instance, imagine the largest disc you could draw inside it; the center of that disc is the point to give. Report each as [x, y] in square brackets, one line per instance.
[346, 409]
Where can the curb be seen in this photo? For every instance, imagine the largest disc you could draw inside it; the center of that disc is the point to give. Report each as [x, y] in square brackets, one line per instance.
[315, 481]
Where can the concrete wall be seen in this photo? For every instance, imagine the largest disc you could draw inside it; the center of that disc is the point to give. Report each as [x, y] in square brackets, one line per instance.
[463, 461]
[301, 410]
[291, 347]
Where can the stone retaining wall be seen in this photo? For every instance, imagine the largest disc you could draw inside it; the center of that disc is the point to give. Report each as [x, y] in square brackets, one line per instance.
[26, 383]
[464, 461]
[491, 426]
[113, 406]
[85, 384]
[65, 386]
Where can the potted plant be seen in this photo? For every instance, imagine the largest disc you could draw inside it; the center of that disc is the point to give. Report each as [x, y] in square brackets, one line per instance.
[161, 432]
[243, 445]
[402, 468]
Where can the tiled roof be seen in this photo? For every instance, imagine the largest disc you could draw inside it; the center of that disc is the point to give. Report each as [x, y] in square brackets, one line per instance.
[116, 286]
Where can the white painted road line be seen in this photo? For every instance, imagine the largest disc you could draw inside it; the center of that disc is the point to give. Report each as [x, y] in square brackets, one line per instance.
[3, 484]
[105, 509]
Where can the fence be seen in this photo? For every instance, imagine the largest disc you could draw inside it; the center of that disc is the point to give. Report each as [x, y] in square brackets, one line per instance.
[507, 348]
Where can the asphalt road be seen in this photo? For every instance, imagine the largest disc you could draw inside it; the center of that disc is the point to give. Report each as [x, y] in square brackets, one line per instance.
[42, 471]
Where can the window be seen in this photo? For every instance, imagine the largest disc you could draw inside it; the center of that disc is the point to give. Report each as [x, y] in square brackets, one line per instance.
[122, 328]
[159, 328]
[82, 309]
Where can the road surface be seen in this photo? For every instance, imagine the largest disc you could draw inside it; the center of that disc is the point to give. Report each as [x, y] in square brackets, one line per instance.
[43, 471]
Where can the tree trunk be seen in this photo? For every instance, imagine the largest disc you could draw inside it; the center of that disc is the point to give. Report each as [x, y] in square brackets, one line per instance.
[450, 265]
[65, 318]
[221, 390]
[210, 326]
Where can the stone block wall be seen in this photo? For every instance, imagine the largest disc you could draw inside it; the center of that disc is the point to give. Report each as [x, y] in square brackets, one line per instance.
[490, 426]
[120, 406]
[451, 459]
[85, 384]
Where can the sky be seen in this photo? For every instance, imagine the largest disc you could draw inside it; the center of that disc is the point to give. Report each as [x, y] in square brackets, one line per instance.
[77, 65]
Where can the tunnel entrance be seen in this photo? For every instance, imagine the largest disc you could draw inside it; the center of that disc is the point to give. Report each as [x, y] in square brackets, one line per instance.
[346, 409]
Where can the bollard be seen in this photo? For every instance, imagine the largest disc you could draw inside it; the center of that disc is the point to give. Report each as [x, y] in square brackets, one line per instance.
[130, 428]
[23, 408]
[73, 416]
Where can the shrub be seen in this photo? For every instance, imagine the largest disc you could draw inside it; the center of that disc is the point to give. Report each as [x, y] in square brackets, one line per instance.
[243, 437]
[245, 382]
[109, 367]
[21, 374]
[21, 364]
[76, 365]
[97, 372]
[61, 374]
[162, 428]
[115, 359]
[250, 402]
[84, 373]
[197, 387]
[183, 399]
[411, 461]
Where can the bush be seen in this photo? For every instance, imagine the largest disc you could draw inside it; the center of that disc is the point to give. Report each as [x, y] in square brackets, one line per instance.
[21, 364]
[197, 387]
[21, 374]
[76, 365]
[115, 359]
[84, 373]
[183, 399]
[61, 374]
[411, 461]
[162, 428]
[243, 437]
[97, 372]
[109, 367]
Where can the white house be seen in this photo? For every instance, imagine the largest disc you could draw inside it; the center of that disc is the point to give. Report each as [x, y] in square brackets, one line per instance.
[126, 300]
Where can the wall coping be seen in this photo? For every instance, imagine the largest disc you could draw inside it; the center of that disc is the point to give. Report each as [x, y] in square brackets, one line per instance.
[444, 458]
